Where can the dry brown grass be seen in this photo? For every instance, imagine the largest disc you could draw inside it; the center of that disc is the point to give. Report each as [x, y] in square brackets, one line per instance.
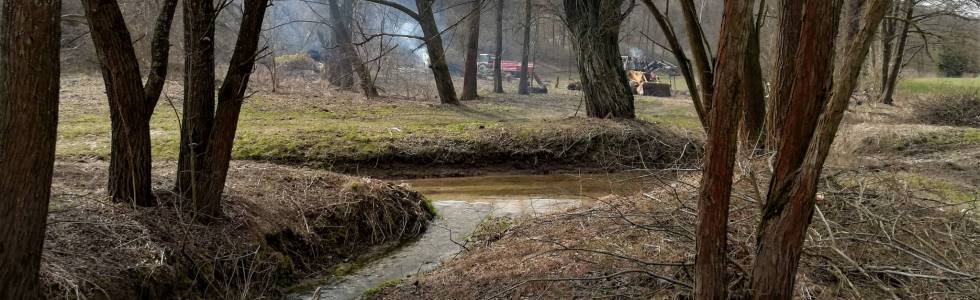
[282, 224]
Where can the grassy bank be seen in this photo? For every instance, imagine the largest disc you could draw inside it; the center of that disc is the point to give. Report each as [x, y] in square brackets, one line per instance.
[342, 130]
[935, 85]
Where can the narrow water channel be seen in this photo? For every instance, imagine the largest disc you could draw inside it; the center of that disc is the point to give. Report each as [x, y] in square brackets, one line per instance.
[463, 203]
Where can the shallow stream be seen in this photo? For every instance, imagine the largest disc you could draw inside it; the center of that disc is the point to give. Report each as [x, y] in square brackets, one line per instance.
[463, 203]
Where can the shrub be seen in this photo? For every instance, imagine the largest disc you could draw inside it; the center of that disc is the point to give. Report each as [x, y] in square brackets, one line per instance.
[955, 110]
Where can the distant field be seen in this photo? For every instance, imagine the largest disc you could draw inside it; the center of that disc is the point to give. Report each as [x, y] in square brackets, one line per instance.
[933, 85]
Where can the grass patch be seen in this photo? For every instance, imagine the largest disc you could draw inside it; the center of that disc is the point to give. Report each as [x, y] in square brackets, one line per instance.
[370, 293]
[344, 130]
[935, 85]
[924, 141]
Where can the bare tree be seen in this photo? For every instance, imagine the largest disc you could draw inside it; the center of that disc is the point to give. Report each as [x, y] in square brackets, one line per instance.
[432, 37]
[684, 64]
[198, 114]
[891, 74]
[30, 33]
[594, 26]
[522, 88]
[716, 184]
[751, 127]
[498, 84]
[817, 110]
[472, 53]
[131, 103]
[202, 176]
[783, 69]
[342, 16]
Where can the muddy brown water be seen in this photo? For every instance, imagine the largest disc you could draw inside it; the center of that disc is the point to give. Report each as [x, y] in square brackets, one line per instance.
[463, 203]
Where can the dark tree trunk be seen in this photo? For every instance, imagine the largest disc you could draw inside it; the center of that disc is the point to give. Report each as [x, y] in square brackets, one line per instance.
[30, 33]
[472, 52]
[754, 93]
[522, 88]
[230, 99]
[594, 26]
[716, 183]
[341, 59]
[437, 54]
[783, 68]
[131, 105]
[198, 114]
[343, 16]
[887, 41]
[899, 59]
[702, 59]
[781, 233]
[498, 82]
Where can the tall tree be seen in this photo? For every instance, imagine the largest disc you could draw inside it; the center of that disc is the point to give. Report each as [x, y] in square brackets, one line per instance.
[342, 17]
[498, 83]
[684, 64]
[202, 176]
[594, 26]
[817, 110]
[131, 103]
[472, 53]
[783, 69]
[30, 33]
[522, 88]
[716, 184]
[891, 77]
[754, 92]
[198, 114]
[432, 37]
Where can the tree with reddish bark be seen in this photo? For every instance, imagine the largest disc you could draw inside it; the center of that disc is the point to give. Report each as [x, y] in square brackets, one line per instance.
[30, 33]
[131, 102]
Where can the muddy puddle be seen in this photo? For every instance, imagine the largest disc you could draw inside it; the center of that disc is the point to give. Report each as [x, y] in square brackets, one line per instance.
[463, 203]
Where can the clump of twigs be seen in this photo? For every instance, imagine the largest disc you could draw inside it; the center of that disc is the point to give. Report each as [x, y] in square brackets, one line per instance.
[962, 109]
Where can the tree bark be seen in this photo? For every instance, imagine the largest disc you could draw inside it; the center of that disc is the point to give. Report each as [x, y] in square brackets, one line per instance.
[899, 58]
[198, 114]
[783, 68]
[716, 183]
[437, 53]
[342, 16]
[30, 33]
[131, 104]
[472, 52]
[230, 99]
[754, 95]
[341, 62]
[522, 87]
[594, 26]
[498, 82]
[781, 227]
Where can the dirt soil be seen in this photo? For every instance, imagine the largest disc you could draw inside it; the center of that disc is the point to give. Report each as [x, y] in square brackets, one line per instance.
[282, 225]
[898, 219]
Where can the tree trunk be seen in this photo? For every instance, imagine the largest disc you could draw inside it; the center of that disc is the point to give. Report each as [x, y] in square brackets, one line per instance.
[682, 62]
[344, 60]
[594, 26]
[230, 99]
[437, 54]
[498, 82]
[702, 60]
[472, 52]
[777, 250]
[131, 104]
[754, 94]
[198, 114]
[130, 164]
[344, 16]
[783, 68]
[899, 59]
[30, 33]
[716, 183]
[887, 46]
[522, 88]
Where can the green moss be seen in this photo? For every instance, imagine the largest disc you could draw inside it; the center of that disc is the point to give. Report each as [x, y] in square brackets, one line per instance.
[943, 189]
[370, 293]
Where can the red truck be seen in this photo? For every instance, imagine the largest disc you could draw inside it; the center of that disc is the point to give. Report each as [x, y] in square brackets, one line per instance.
[485, 65]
